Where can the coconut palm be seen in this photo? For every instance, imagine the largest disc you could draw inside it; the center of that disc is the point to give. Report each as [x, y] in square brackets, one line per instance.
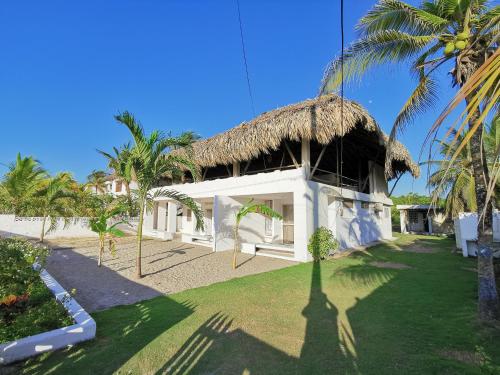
[96, 181]
[150, 162]
[105, 231]
[248, 208]
[119, 163]
[454, 177]
[54, 199]
[432, 38]
[20, 183]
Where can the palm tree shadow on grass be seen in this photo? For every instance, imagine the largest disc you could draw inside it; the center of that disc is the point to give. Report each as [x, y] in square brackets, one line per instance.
[215, 348]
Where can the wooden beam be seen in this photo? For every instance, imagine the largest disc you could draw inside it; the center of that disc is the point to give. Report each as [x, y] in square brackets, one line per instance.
[291, 155]
[320, 156]
[246, 167]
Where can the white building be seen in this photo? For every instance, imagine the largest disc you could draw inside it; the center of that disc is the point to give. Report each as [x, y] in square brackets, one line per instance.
[302, 162]
[116, 187]
[424, 218]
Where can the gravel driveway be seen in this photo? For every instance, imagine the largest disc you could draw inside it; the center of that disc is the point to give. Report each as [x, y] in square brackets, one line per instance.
[167, 266]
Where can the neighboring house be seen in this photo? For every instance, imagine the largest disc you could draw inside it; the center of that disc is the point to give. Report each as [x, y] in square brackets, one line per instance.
[116, 187]
[304, 163]
[424, 218]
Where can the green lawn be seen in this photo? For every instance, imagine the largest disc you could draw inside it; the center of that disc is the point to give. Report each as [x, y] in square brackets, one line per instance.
[340, 316]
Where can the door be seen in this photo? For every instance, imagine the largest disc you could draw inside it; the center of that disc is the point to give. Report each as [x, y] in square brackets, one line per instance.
[287, 223]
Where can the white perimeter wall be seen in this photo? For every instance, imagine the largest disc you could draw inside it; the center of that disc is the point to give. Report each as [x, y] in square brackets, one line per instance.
[32, 227]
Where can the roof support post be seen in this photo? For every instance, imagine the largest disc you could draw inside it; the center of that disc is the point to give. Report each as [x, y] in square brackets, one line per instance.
[305, 151]
[236, 169]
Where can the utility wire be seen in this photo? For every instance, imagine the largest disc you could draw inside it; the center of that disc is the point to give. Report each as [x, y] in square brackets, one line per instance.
[245, 58]
[341, 91]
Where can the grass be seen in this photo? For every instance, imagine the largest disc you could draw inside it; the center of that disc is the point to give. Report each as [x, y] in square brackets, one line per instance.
[347, 315]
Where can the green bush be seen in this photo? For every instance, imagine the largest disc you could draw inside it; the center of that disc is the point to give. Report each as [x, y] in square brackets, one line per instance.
[322, 243]
[27, 306]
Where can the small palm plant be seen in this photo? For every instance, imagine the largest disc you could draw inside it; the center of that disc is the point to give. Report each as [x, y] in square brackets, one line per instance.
[107, 232]
[247, 208]
[54, 199]
[150, 161]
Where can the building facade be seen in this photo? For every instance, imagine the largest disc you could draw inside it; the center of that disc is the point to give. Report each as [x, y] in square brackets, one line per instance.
[302, 161]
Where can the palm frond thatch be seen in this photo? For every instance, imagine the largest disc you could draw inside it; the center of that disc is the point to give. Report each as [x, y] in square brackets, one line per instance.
[317, 119]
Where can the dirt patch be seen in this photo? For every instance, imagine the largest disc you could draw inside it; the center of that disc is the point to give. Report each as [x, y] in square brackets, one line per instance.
[418, 248]
[462, 356]
[390, 265]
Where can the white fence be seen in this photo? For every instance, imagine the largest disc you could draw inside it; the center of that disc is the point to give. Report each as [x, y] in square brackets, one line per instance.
[32, 227]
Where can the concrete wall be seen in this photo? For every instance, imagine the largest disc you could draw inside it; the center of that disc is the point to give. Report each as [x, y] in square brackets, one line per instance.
[32, 227]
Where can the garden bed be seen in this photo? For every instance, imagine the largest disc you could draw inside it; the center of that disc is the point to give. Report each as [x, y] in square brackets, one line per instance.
[36, 313]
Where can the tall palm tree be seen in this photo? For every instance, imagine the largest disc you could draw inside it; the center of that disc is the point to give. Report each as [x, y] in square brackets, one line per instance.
[97, 181]
[119, 163]
[20, 183]
[432, 38]
[54, 199]
[151, 161]
[248, 208]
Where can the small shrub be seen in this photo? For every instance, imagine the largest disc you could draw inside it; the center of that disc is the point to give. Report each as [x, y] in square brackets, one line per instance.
[322, 243]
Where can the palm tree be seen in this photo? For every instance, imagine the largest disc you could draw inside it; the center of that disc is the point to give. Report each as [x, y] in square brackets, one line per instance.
[431, 37]
[20, 183]
[247, 208]
[54, 199]
[454, 178]
[151, 161]
[97, 181]
[119, 162]
[105, 231]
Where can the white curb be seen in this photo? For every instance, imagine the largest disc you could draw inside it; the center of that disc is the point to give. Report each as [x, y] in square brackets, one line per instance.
[84, 329]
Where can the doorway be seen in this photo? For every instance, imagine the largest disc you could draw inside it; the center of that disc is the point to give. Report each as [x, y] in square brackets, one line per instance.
[288, 230]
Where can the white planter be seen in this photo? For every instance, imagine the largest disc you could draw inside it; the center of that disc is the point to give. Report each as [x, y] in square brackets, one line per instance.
[83, 329]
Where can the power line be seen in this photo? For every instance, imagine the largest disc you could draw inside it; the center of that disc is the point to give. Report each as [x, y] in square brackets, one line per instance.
[245, 57]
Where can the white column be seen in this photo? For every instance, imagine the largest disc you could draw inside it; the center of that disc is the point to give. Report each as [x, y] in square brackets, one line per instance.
[402, 221]
[172, 218]
[162, 216]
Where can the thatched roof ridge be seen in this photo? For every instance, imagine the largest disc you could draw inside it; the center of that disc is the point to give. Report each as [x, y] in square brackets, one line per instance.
[314, 119]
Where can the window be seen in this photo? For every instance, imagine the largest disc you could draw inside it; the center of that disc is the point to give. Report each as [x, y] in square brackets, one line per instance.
[188, 214]
[365, 205]
[269, 221]
[347, 208]
[118, 187]
[413, 217]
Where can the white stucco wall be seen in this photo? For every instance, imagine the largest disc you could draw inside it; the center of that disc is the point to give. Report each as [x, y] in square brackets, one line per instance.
[310, 201]
[32, 227]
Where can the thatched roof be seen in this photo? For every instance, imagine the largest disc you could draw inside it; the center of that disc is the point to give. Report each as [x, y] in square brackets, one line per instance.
[314, 119]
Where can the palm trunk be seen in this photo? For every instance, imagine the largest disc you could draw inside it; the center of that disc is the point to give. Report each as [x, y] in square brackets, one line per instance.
[129, 198]
[236, 245]
[139, 240]
[488, 304]
[42, 235]
[101, 250]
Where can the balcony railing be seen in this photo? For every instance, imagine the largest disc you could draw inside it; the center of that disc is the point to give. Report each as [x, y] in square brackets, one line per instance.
[335, 179]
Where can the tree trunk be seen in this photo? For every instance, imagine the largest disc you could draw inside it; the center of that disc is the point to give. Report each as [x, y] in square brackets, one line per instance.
[236, 245]
[42, 235]
[129, 198]
[488, 304]
[101, 250]
[139, 240]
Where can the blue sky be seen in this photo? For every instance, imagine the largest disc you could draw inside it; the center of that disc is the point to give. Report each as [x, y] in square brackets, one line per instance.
[66, 67]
